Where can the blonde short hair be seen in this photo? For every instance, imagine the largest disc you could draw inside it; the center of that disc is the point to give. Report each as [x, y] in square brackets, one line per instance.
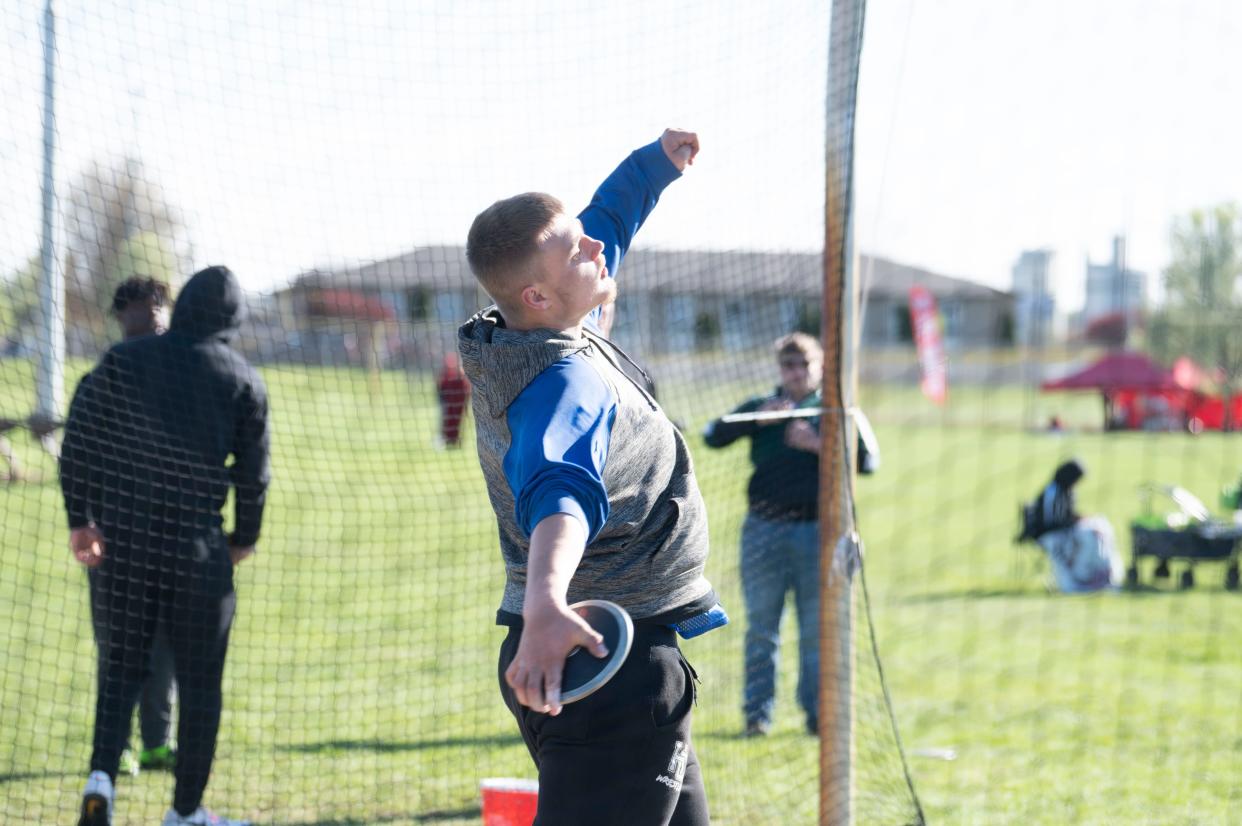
[505, 237]
[799, 343]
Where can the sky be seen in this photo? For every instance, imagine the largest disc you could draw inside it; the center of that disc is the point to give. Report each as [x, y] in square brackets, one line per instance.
[299, 135]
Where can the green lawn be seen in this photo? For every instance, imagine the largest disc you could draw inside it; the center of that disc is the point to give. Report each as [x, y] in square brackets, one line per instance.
[361, 681]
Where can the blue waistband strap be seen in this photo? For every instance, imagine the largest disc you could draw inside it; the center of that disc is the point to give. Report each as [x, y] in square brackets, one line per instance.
[700, 624]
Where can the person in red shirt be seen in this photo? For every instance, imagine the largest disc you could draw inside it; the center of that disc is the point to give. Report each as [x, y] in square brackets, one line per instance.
[453, 390]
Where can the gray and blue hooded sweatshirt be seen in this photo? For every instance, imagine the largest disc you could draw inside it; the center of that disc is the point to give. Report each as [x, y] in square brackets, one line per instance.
[563, 429]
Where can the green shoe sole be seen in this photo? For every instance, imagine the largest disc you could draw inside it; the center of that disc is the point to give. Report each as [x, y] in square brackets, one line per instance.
[161, 758]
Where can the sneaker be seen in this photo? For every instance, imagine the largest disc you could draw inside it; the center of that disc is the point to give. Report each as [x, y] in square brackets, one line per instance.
[97, 800]
[757, 728]
[160, 758]
[129, 764]
[200, 817]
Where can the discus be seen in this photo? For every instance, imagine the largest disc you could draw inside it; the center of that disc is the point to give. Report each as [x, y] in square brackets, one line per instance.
[774, 415]
[792, 413]
[585, 673]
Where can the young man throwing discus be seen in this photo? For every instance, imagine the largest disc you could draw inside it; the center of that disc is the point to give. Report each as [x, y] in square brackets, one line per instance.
[595, 498]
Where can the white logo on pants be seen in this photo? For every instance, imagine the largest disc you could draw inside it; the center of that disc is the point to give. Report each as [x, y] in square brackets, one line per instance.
[676, 767]
[677, 763]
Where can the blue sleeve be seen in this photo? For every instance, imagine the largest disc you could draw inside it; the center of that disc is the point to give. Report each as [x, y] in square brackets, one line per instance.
[625, 199]
[560, 427]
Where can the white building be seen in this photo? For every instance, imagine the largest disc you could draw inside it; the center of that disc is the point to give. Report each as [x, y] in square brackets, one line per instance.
[1035, 317]
[1113, 288]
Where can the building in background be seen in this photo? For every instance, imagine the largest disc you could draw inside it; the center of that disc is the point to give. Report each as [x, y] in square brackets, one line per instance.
[407, 309]
[1114, 290]
[1035, 316]
[975, 316]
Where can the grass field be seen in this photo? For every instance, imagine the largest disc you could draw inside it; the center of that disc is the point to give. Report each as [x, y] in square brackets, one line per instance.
[361, 685]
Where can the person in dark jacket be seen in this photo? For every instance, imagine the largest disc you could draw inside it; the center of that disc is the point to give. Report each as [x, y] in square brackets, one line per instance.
[780, 535]
[1054, 508]
[140, 307]
[145, 474]
[1081, 549]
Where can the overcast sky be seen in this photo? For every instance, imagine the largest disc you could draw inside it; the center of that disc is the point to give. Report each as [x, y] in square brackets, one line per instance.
[296, 135]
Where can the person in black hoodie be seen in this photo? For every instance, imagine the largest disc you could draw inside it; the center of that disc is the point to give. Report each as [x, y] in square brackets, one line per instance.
[145, 474]
[1054, 507]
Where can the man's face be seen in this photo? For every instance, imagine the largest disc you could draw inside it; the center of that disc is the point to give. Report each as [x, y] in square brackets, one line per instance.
[800, 374]
[573, 275]
[142, 318]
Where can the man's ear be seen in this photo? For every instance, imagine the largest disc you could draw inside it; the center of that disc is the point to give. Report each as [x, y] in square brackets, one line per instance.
[534, 298]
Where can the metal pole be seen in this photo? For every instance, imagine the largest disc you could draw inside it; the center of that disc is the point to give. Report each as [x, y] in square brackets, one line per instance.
[840, 378]
[50, 365]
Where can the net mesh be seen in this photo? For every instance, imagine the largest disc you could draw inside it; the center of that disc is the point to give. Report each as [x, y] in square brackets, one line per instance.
[1091, 708]
[333, 157]
[1014, 163]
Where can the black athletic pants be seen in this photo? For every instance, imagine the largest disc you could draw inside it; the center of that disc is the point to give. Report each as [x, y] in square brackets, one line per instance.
[155, 703]
[190, 594]
[622, 755]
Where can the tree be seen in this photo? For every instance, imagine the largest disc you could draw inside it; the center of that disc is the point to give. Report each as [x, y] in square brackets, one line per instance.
[1203, 310]
[19, 303]
[706, 331]
[118, 224]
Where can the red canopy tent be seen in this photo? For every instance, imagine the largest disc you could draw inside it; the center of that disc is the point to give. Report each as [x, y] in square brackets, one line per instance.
[1140, 394]
[1118, 371]
[1137, 391]
[1193, 377]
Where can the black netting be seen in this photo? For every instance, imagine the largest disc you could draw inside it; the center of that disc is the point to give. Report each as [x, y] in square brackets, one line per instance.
[333, 158]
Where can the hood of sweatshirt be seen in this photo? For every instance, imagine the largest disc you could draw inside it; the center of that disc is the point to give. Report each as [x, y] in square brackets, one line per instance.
[650, 552]
[209, 306]
[1068, 474]
[500, 362]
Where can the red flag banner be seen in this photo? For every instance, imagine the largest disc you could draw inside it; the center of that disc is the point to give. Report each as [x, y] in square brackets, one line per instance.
[925, 321]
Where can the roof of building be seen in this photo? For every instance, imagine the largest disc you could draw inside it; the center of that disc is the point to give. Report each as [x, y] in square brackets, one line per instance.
[885, 277]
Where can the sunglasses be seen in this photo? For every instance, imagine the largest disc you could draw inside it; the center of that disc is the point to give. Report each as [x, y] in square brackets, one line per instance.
[793, 364]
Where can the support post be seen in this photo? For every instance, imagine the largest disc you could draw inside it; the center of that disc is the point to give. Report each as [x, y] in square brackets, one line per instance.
[50, 363]
[839, 335]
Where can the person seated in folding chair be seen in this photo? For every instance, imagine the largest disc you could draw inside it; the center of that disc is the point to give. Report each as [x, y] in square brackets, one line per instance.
[1081, 550]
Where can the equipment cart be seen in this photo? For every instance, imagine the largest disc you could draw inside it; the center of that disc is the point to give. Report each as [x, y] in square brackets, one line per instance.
[1188, 532]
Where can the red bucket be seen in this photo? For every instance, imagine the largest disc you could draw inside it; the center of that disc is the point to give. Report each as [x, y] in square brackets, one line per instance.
[509, 802]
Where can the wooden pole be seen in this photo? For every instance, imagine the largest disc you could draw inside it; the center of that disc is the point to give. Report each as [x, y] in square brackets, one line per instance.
[836, 693]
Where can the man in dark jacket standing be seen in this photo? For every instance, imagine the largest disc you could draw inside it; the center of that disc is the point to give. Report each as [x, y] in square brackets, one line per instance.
[145, 475]
[780, 537]
[140, 307]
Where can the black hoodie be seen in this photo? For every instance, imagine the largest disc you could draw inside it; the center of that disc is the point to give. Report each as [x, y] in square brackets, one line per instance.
[1054, 507]
[152, 427]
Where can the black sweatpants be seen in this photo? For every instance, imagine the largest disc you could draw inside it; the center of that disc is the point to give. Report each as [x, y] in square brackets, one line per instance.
[189, 593]
[622, 755]
[155, 703]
